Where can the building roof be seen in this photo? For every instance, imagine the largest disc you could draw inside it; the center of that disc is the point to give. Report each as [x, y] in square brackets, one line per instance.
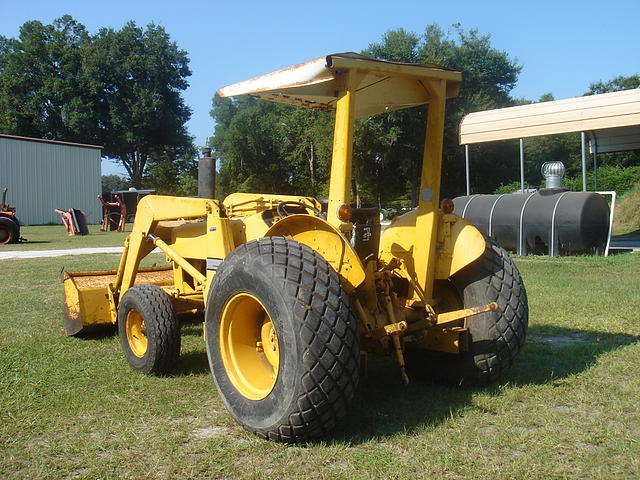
[602, 115]
[57, 142]
[381, 86]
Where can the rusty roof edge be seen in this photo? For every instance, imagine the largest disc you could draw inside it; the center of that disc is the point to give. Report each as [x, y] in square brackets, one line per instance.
[44, 140]
[315, 71]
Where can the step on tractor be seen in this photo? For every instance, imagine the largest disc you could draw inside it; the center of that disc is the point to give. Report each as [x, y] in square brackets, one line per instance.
[295, 294]
[9, 223]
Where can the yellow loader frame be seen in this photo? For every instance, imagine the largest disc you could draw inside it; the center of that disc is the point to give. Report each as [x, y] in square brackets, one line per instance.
[395, 294]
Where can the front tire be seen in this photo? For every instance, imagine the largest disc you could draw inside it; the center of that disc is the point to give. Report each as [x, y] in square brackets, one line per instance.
[281, 340]
[149, 330]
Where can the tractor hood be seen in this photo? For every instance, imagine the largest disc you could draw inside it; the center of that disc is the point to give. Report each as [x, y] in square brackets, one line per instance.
[382, 86]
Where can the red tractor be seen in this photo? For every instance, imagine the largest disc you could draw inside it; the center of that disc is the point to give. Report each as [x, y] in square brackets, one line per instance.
[9, 224]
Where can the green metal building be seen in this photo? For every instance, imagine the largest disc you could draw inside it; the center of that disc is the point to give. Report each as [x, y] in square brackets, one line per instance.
[45, 174]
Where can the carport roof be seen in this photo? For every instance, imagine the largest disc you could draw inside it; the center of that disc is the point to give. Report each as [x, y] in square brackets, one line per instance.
[613, 120]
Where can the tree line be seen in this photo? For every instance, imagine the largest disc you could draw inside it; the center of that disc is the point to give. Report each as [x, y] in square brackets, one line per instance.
[123, 89]
[268, 147]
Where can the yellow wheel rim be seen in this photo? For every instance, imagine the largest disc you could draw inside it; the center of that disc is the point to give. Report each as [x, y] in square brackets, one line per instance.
[136, 336]
[249, 346]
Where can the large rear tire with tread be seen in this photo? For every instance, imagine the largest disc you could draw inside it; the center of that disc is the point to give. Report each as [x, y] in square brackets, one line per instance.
[495, 338]
[9, 231]
[149, 330]
[281, 340]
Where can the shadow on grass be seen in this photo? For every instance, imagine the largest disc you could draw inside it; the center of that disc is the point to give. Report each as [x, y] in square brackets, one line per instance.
[384, 407]
[192, 363]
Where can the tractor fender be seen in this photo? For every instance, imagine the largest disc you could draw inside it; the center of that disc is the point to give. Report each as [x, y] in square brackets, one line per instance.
[459, 243]
[322, 237]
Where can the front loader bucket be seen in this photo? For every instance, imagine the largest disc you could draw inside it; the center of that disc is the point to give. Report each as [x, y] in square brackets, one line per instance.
[87, 296]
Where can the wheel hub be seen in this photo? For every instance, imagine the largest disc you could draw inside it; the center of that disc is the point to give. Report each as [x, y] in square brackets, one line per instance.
[136, 333]
[249, 346]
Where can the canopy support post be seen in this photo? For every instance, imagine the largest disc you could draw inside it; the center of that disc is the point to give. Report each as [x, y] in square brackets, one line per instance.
[594, 149]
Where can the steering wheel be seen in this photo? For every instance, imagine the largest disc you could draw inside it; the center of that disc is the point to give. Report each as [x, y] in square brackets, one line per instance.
[281, 209]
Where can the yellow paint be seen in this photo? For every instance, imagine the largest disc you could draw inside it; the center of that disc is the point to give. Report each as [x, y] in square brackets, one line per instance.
[425, 236]
[466, 244]
[249, 346]
[340, 179]
[152, 210]
[89, 300]
[449, 340]
[189, 239]
[327, 241]
[245, 204]
[136, 336]
[463, 245]
[424, 245]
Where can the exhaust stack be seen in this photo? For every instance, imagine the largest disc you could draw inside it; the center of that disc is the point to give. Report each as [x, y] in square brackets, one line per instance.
[207, 175]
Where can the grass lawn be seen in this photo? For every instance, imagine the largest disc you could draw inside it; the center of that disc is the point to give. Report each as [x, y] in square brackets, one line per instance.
[54, 237]
[569, 408]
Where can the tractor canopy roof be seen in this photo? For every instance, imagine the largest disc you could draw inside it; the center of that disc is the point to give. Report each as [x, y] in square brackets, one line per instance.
[380, 86]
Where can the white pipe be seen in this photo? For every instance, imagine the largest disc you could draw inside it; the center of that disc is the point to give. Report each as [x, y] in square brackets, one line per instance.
[552, 242]
[521, 249]
[522, 165]
[491, 212]
[466, 160]
[584, 161]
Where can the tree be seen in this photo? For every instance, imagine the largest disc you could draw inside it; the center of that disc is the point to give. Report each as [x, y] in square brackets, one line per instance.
[488, 75]
[170, 173]
[114, 182]
[42, 93]
[118, 88]
[615, 84]
[270, 147]
[136, 77]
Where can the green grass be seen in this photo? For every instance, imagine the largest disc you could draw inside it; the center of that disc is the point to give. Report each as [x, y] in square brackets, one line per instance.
[568, 409]
[627, 214]
[54, 237]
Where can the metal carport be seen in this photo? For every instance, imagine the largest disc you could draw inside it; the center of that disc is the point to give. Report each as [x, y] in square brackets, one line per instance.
[611, 121]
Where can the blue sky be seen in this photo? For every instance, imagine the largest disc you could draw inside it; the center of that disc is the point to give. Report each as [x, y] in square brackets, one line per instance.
[563, 45]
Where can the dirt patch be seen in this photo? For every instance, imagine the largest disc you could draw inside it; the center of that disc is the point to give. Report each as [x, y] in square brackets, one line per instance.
[213, 431]
[561, 340]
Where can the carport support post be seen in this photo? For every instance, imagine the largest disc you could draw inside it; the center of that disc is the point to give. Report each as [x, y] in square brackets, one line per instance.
[584, 161]
[522, 165]
[595, 166]
[466, 165]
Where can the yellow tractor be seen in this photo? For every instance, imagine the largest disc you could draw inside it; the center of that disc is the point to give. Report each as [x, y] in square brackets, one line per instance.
[295, 295]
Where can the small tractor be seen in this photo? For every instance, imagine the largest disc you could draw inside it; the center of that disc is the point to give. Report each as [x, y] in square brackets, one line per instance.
[294, 295]
[9, 224]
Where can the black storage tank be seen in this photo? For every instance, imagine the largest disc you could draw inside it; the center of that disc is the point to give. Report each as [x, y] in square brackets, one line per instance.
[550, 221]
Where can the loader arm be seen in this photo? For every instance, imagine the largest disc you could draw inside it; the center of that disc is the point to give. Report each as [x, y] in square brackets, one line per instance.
[153, 209]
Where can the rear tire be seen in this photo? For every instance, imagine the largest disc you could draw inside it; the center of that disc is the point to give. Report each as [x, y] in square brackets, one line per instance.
[149, 330]
[495, 338]
[8, 231]
[297, 384]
